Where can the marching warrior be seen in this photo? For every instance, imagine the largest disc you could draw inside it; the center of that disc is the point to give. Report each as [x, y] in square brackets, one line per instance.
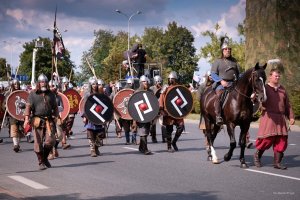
[59, 136]
[2, 105]
[15, 126]
[273, 130]
[156, 89]
[93, 131]
[130, 84]
[169, 121]
[67, 124]
[143, 129]
[42, 109]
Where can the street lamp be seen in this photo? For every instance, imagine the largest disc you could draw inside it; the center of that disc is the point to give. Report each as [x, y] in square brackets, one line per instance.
[129, 18]
[11, 43]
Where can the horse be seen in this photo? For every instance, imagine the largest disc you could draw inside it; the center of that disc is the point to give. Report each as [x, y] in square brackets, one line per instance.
[237, 111]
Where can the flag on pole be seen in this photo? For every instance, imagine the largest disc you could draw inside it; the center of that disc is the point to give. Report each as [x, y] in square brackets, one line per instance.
[196, 77]
[59, 46]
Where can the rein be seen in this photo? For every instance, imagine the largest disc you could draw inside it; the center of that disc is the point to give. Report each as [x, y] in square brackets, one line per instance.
[239, 92]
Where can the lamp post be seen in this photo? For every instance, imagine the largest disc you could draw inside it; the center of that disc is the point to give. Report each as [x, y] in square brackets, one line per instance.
[11, 43]
[128, 18]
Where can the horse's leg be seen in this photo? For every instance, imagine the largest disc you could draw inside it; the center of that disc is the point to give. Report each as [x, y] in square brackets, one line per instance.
[230, 131]
[212, 149]
[210, 140]
[242, 141]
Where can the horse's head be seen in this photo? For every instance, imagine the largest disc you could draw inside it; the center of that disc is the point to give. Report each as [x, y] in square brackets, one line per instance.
[258, 82]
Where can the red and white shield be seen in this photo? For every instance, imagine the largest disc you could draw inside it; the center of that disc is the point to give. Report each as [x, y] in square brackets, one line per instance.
[178, 101]
[120, 102]
[98, 108]
[143, 106]
[15, 104]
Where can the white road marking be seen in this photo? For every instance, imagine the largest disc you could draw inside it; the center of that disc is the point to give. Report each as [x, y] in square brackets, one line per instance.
[130, 148]
[292, 144]
[272, 174]
[29, 182]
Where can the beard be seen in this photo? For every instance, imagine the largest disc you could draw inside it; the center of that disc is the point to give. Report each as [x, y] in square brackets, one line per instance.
[43, 89]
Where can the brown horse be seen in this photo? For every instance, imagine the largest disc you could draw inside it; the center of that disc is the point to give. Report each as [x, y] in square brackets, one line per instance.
[237, 110]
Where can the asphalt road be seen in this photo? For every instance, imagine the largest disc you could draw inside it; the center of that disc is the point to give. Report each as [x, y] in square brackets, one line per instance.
[124, 173]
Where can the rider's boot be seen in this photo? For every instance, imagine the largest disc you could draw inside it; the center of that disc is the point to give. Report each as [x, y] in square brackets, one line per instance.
[217, 104]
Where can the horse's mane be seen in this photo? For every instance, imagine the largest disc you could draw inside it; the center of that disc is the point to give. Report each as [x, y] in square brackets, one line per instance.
[245, 76]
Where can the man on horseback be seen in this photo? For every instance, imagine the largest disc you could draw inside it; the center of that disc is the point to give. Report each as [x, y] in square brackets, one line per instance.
[224, 72]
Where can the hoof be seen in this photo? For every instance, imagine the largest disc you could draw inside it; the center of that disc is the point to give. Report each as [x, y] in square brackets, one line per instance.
[244, 165]
[227, 157]
[209, 158]
[215, 161]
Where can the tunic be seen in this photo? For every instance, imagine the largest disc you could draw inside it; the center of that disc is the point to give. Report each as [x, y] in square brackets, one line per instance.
[275, 111]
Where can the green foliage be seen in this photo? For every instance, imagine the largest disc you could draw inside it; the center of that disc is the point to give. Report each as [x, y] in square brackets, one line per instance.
[4, 69]
[43, 60]
[179, 51]
[196, 105]
[212, 50]
[294, 97]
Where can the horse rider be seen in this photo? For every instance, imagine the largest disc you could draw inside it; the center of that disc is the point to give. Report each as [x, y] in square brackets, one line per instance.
[224, 72]
[156, 89]
[169, 121]
[94, 131]
[143, 129]
[41, 110]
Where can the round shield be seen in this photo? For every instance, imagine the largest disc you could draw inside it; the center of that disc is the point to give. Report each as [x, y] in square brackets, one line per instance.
[158, 92]
[66, 106]
[74, 99]
[143, 106]
[178, 101]
[98, 109]
[81, 106]
[16, 103]
[120, 102]
[2, 106]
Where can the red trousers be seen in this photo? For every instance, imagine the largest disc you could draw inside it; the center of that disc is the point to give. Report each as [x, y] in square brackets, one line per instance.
[279, 143]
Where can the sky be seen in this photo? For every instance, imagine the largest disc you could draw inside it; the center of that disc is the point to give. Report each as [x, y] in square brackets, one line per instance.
[25, 20]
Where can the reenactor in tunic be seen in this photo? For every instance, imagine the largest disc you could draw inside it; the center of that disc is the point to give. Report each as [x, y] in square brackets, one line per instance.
[59, 131]
[41, 111]
[15, 126]
[156, 89]
[94, 131]
[143, 129]
[169, 121]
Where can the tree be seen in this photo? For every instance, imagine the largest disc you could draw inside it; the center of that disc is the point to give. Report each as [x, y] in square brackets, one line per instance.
[152, 42]
[4, 70]
[43, 60]
[179, 51]
[212, 50]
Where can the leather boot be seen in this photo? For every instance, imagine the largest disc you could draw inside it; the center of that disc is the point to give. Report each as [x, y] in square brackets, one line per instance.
[97, 150]
[163, 133]
[40, 159]
[169, 144]
[47, 150]
[217, 104]
[127, 136]
[143, 140]
[142, 146]
[277, 161]
[175, 139]
[257, 156]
